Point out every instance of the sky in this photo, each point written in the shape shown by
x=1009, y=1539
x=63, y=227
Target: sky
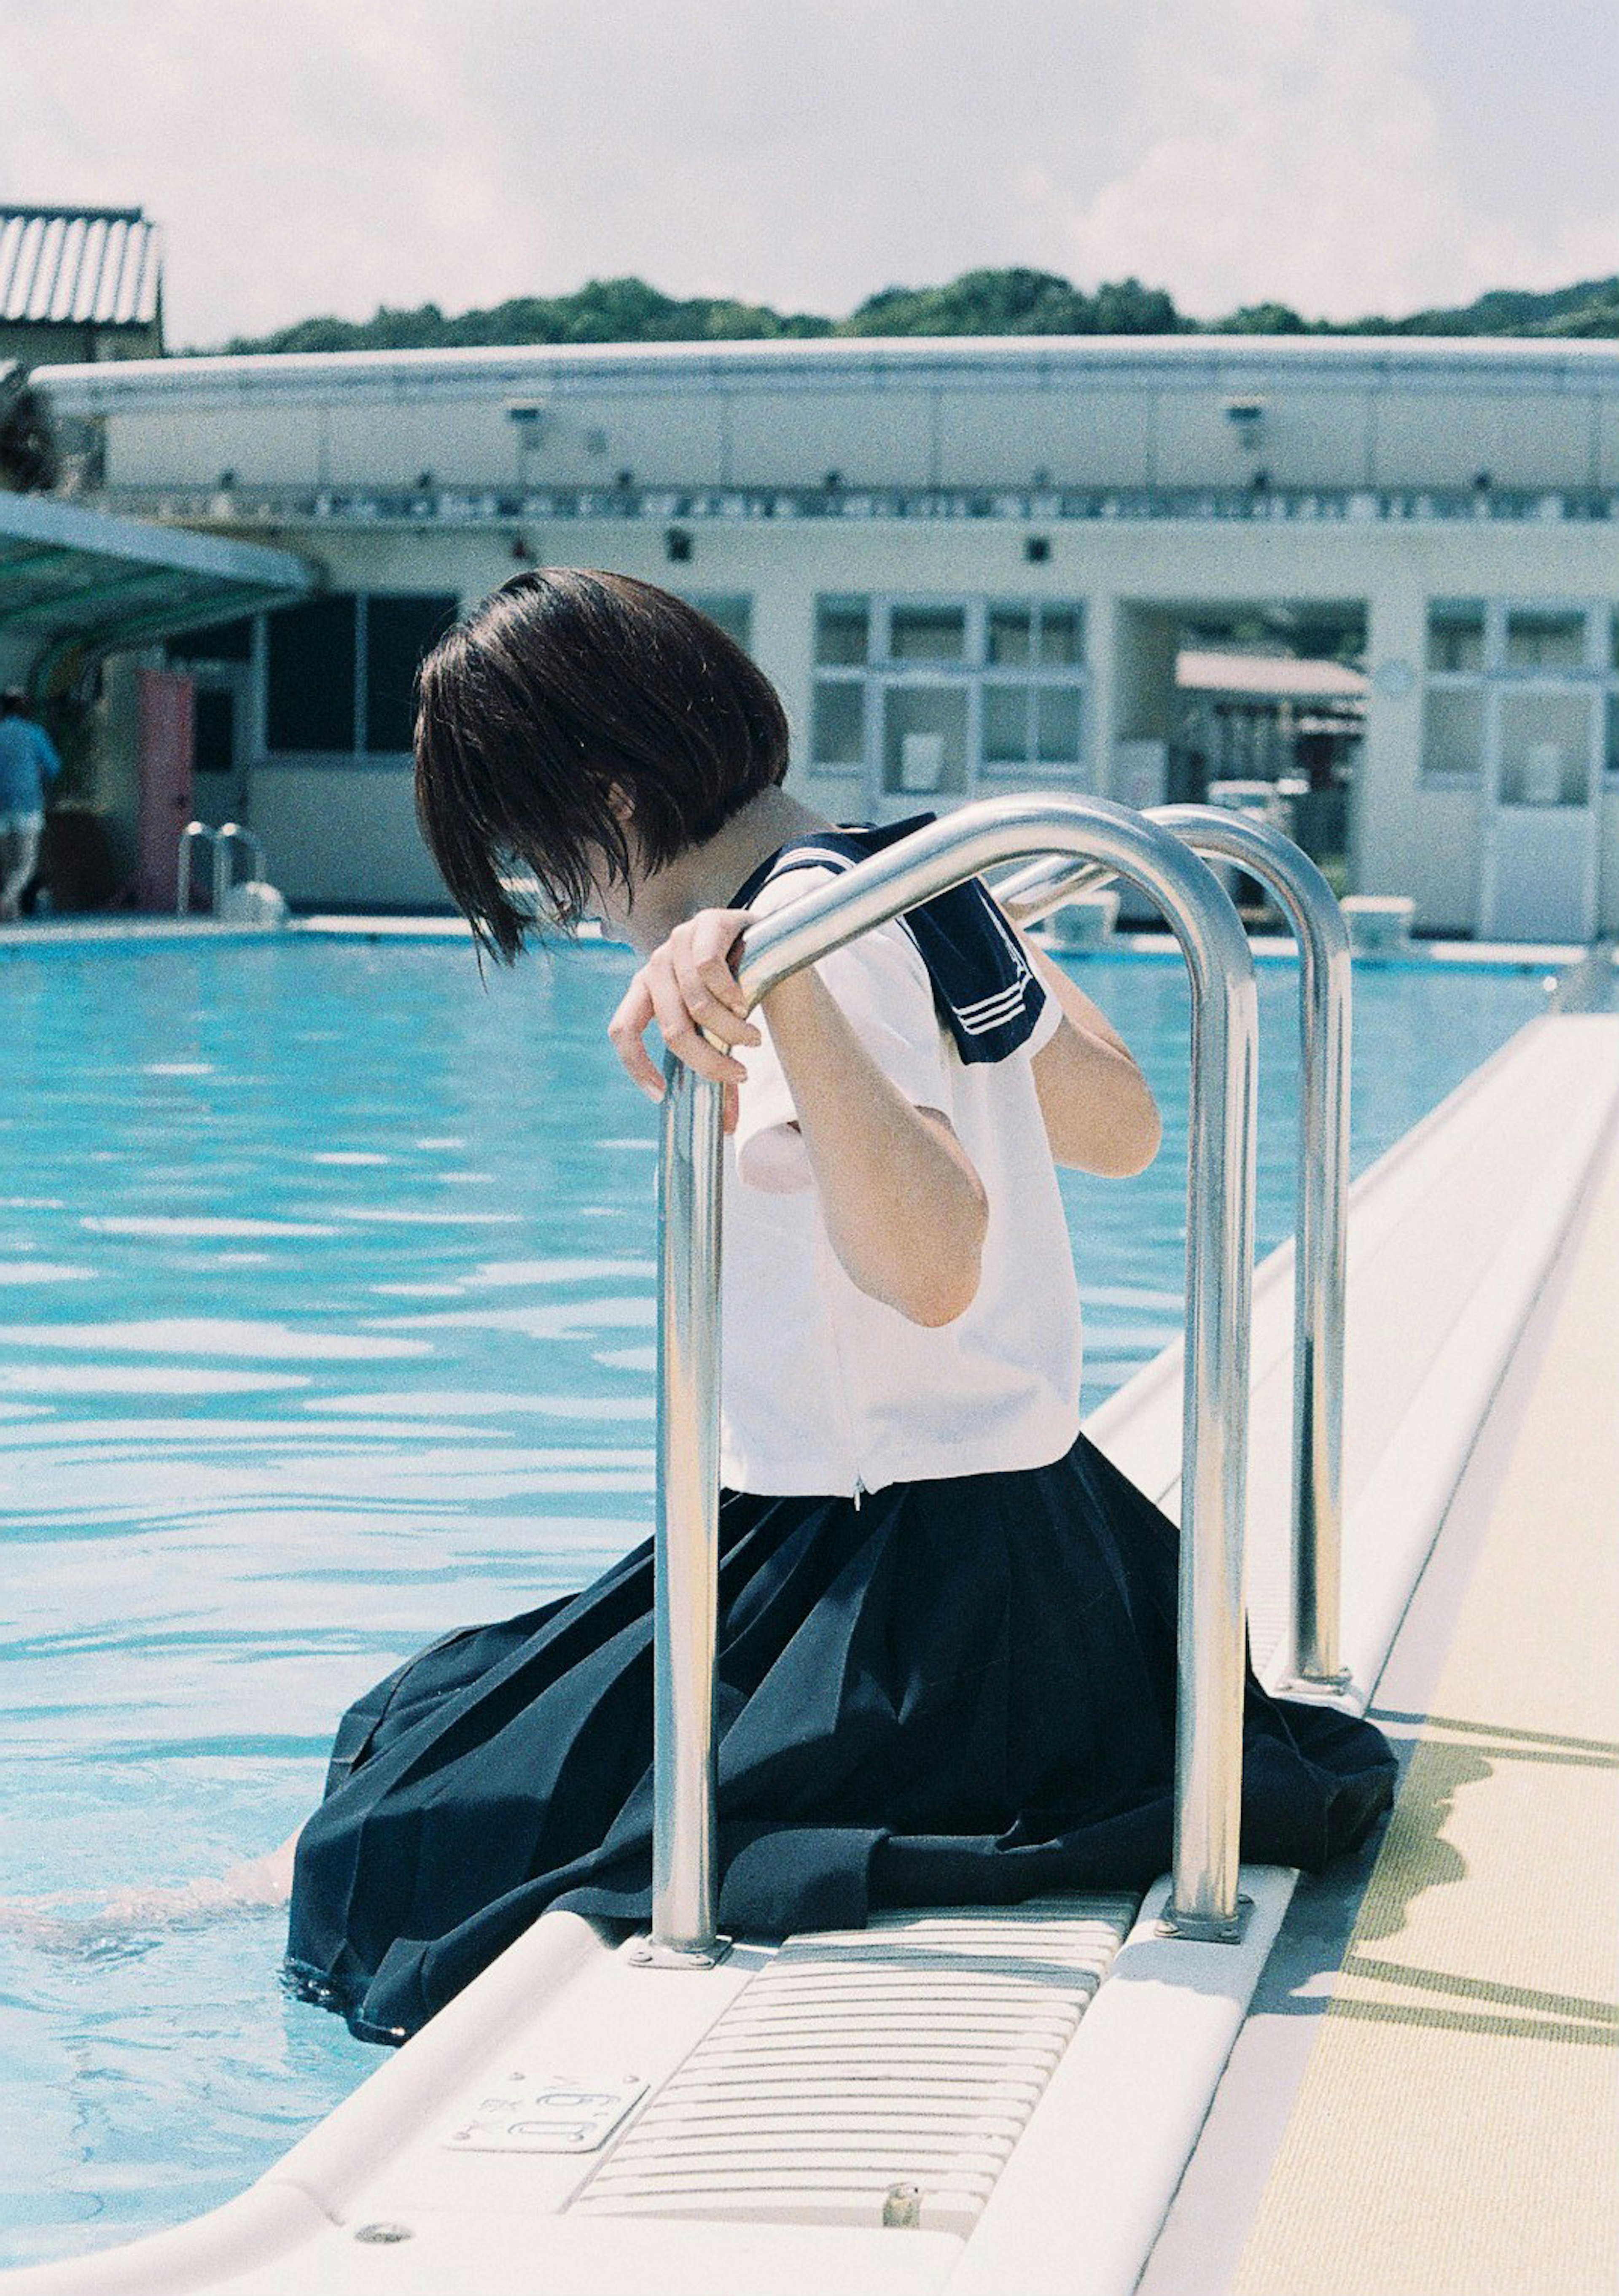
x=326, y=156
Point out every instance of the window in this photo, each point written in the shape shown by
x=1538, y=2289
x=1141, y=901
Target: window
x=400, y=633
x=309, y=687
x=1542, y=661
x=843, y=631
x=214, y=730
x=340, y=672
x=1453, y=703
x=1011, y=634
x=939, y=697
x=1545, y=740
x=838, y=723
x=1057, y=723
x=734, y=614
x=1537, y=640
x=1453, y=734
x=1059, y=638
x=219, y=641
x=928, y=633
x=925, y=741
x=1456, y=635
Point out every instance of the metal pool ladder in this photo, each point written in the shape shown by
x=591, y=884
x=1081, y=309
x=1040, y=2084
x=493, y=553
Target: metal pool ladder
x=223, y=843
x=1204, y=1901
x=1322, y=1203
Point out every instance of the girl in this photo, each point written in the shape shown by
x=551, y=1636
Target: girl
x=947, y=1625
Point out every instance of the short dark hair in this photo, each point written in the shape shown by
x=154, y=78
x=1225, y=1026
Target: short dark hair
x=564, y=688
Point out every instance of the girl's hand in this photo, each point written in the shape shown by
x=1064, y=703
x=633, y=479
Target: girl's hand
x=688, y=989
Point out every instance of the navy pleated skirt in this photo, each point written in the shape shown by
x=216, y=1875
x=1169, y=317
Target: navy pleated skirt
x=959, y=1691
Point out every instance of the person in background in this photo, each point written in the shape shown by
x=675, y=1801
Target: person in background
x=27, y=761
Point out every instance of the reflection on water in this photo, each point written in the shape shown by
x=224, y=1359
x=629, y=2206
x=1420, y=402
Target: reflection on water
x=242, y=1483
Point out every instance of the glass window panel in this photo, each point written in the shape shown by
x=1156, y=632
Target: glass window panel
x=399, y=634
x=928, y=633
x=925, y=741
x=1061, y=637
x=1545, y=749
x=214, y=730
x=1010, y=635
x=220, y=642
x=1611, y=743
x=1057, y=720
x=734, y=616
x=1613, y=641
x=1006, y=725
x=1453, y=731
x=309, y=677
x=838, y=723
x=1537, y=639
x=1456, y=633
x=842, y=629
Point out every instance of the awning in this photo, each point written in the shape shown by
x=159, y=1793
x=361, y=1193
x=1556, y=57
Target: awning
x=78, y=580
x=1271, y=677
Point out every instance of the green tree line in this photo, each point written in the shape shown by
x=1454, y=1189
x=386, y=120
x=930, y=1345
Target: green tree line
x=1010, y=302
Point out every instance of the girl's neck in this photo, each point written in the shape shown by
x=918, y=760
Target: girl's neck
x=706, y=875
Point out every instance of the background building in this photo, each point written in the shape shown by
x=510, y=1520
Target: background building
x=82, y=284
x=969, y=565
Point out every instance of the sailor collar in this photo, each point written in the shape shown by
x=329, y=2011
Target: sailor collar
x=985, y=992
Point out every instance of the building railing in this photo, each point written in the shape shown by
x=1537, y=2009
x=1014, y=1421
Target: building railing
x=1204, y=1901
x=450, y=504
x=1322, y=1216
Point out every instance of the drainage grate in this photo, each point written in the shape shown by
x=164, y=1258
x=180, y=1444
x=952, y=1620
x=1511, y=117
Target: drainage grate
x=909, y=2054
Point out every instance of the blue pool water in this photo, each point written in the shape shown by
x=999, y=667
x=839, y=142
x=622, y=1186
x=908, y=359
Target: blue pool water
x=326, y=1298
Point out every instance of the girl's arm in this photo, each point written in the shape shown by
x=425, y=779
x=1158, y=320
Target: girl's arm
x=903, y=1205
x=905, y=1208
x=1098, y=1109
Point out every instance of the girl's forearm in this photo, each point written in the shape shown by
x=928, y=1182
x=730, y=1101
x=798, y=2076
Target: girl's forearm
x=904, y=1210
x=1098, y=1109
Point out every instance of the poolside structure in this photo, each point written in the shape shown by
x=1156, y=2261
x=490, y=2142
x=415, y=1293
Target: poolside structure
x=970, y=566
x=87, y=600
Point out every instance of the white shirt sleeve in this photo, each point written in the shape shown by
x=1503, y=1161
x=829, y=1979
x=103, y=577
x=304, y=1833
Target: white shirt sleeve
x=1046, y=1022
x=881, y=984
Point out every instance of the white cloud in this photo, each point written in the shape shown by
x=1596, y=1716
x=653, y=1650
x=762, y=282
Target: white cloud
x=1302, y=158
x=309, y=157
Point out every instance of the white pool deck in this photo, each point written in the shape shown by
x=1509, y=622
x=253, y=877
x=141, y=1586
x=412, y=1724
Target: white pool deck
x=1423, y=2099
x=1399, y=2085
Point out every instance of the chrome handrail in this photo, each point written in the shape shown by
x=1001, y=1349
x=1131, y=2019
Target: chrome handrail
x=1204, y=1901
x=233, y=832
x=230, y=836
x=1321, y=1199
x=223, y=842
x=189, y=836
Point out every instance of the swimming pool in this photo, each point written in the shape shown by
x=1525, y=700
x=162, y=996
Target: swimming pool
x=326, y=1297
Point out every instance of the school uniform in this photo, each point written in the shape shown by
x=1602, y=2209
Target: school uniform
x=947, y=1623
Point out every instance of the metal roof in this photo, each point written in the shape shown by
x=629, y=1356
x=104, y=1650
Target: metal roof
x=90, y=267
x=71, y=577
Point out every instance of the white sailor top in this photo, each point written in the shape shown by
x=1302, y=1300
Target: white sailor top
x=824, y=1390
